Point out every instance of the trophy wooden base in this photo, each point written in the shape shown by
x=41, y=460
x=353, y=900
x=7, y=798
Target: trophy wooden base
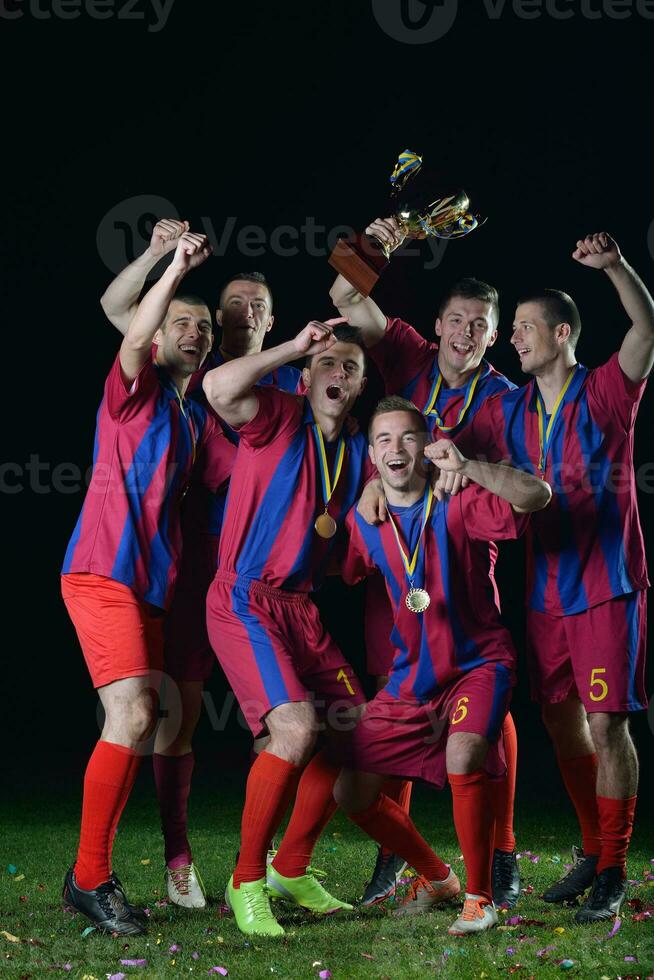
x=360, y=260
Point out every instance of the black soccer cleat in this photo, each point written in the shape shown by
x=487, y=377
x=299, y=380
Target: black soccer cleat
x=505, y=879
x=385, y=877
x=605, y=897
x=105, y=906
x=576, y=881
x=137, y=913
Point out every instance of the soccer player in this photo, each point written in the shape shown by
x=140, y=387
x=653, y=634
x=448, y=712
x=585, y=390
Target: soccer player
x=448, y=380
x=296, y=475
x=245, y=316
x=454, y=665
x=120, y=568
x=587, y=573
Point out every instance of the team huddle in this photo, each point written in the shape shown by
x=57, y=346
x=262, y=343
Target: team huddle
x=227, y=483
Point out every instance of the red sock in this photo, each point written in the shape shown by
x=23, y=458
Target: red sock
x=617, y=821
x=108, y=781
x=474, y=824
x=270, y=788
x=503, y=790
x=314, y=808
x=580, y=778
x=398, y=790
x=390, y=826
x=172, y=777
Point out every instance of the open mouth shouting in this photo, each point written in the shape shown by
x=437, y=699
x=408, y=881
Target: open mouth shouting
x=191, y=349
x=462, y=347
x=336, y=393
x=523, y=351
x=397, y=465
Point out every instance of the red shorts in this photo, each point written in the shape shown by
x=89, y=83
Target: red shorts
x=597, y=655
x=187, y=652
x=120, y=635
x=378, y=625
x=274, y=649
x=408, y=741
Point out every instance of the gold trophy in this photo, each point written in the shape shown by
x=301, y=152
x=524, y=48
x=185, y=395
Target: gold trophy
x=362, y=258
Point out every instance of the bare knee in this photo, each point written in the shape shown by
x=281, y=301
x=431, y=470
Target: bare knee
x=356, y=791
x=466, y=752
x=133, y=719
x=608, y=731
x=293, y=732
x=181, y=708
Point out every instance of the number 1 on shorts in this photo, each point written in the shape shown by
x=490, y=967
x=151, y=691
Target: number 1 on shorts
x=342, y=676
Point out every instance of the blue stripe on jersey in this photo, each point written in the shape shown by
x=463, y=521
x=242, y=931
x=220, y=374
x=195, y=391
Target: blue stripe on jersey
x=497, y=714
x=279, y=495
x=569, y=576
x=597, y=470
x=467, y=653
x=633, y=632
x=264, y=655
x=72, y=544
x=145, y=463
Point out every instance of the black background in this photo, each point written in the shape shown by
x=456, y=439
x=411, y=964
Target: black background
x=270, y=114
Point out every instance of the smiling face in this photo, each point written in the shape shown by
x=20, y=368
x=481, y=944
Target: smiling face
x=397, y=442
x=335, y=379
x=537, y=343
x=186, y=337
x=465, y=328
x=245, y=316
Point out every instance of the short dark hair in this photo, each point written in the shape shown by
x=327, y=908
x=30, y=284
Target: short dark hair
x=191, y=299
x=557, y=308
x=395, y=403
x=347, y=335
x=470, y=288
x=257, y=277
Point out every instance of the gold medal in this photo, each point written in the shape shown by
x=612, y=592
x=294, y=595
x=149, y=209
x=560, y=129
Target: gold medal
x=417, y=600
x=325, y=525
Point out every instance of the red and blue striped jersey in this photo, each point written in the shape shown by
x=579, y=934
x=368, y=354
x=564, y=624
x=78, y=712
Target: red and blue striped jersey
x=129, y=526
x=203, y=512
x=461, y=628
x=587, y=546
x=408, y=365
x=275, y=495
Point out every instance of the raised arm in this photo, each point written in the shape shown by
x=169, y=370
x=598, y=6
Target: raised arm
x=136, y=347
x=121, y=297
x=525, y=493
x=636, y=354
x=230, y=387
x=361, y=311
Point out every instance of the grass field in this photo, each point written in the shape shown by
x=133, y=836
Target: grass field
x=38, y=937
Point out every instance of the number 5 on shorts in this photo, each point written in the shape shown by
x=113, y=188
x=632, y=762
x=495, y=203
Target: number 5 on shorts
x=460, y=711
x=600, y=685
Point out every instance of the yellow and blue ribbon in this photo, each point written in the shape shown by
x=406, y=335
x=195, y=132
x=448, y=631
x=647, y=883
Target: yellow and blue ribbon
x=328, y=482
x=407, y=162
x=410, y=563
x=430, y=406
x=545, y=432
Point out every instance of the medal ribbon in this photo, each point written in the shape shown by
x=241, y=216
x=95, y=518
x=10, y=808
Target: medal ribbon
x=430, y=406
x=410, y=565
x=328, y=484
x=545, y=433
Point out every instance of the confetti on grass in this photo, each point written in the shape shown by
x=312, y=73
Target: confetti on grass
x=324, y=975
x=116, y=976
x=88, y=931
x=219, y=969
x=616, y=926
x=8, y=936
x=133, y=962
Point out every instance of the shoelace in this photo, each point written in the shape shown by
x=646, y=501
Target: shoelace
x=505, y=870
x=180, y=878
x=419, y=885
x=472, y=909
x=257, y=903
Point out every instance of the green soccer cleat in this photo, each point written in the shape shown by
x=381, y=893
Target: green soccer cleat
x=251, y=908
x=305, y=891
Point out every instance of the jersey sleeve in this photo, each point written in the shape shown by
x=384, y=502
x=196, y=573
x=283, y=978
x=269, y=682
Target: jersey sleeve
x=356, y=564
x=216, y=458
x=125, y=401
x=613, y=398
x=279, y=415
x=401, y=355
x=487, y=517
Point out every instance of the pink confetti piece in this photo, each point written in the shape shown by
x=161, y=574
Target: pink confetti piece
x=510, y=951
x=174, y=948
x=616, y=927
x=219, y=969
x=117, y=976
x=195, y=956
x=324, y=975
x=133, y=962
x=630, y=959
x=367, y=956
x=545, y=950
x=515, y=920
